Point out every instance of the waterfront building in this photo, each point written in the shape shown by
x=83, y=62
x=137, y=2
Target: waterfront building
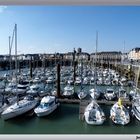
x=1, y=57
x=134, y=54
x=78, y=55
x=105, y=57
x=124, y=57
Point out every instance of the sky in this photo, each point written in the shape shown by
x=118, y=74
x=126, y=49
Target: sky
x=50, y=29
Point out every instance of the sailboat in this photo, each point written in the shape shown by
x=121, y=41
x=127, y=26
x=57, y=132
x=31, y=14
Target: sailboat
x=119, y=114
x=94, y=115
x=24, y=105
x=94, y=92
x=19, y=108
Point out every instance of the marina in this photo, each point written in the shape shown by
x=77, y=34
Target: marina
x=75, y=88
x=71, y=109
x=73, y=91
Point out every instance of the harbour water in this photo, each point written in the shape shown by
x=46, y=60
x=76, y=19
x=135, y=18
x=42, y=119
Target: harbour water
x=65, y=120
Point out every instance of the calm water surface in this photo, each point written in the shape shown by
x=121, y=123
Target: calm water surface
x=65, y=120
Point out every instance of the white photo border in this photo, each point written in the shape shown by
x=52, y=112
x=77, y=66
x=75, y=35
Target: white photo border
x=72, y=136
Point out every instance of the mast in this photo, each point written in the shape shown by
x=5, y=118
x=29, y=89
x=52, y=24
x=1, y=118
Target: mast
x=10, y=52
x=82, y=73
x=16, y=52
x=11, y=39
x=95, y=71
x=124, y=52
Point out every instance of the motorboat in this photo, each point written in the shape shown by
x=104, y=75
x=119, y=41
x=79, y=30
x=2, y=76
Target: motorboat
x=123, y=94
x=68, y=90
x=94, y=115
x=92, y=81
x=86, y=81
x=6, y=102
x=54, y=91
x=21, y=89
x=82, y=93
x=50, y=80
x=123, y=81
x=119, y=114
x=110, y=94
x=134, y=93
x=2, y=86
x=35, y=89
x=136, y=108
x=78, y=81
x=94, y=93
x=10, y=87
x=19, y=108
x=47, y=105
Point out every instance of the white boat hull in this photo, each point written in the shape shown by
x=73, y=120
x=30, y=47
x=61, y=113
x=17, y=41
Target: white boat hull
x=11, y=113
x=45, y=112
x=99, y=122
x=119, y=117
x=94, y=115
x=136, y=113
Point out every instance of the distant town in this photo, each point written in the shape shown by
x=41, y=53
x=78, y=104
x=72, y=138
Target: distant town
x=132, y=57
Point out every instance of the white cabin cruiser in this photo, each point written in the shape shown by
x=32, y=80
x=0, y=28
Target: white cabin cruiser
x=68, y=90
x=94, y=115
x=82, y=93
x=19, y=108
x=21, y=89
x=110, y=94
x=123, y=94
x=47, y=105
x=35, y=89
x=94, y=93
x=10, y=87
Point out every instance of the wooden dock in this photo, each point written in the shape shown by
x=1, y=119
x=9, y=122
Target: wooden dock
x=77, y=101
x=69, y=101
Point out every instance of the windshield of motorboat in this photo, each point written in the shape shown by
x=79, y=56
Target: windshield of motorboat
x=29, y=97
x=35, y=88
x=109, y=91
x=46, y=104
x=11, y=86
x=22, y=87
x=122, y=91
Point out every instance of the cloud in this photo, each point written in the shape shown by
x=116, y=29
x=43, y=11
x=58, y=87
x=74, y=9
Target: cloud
x=2, y=8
